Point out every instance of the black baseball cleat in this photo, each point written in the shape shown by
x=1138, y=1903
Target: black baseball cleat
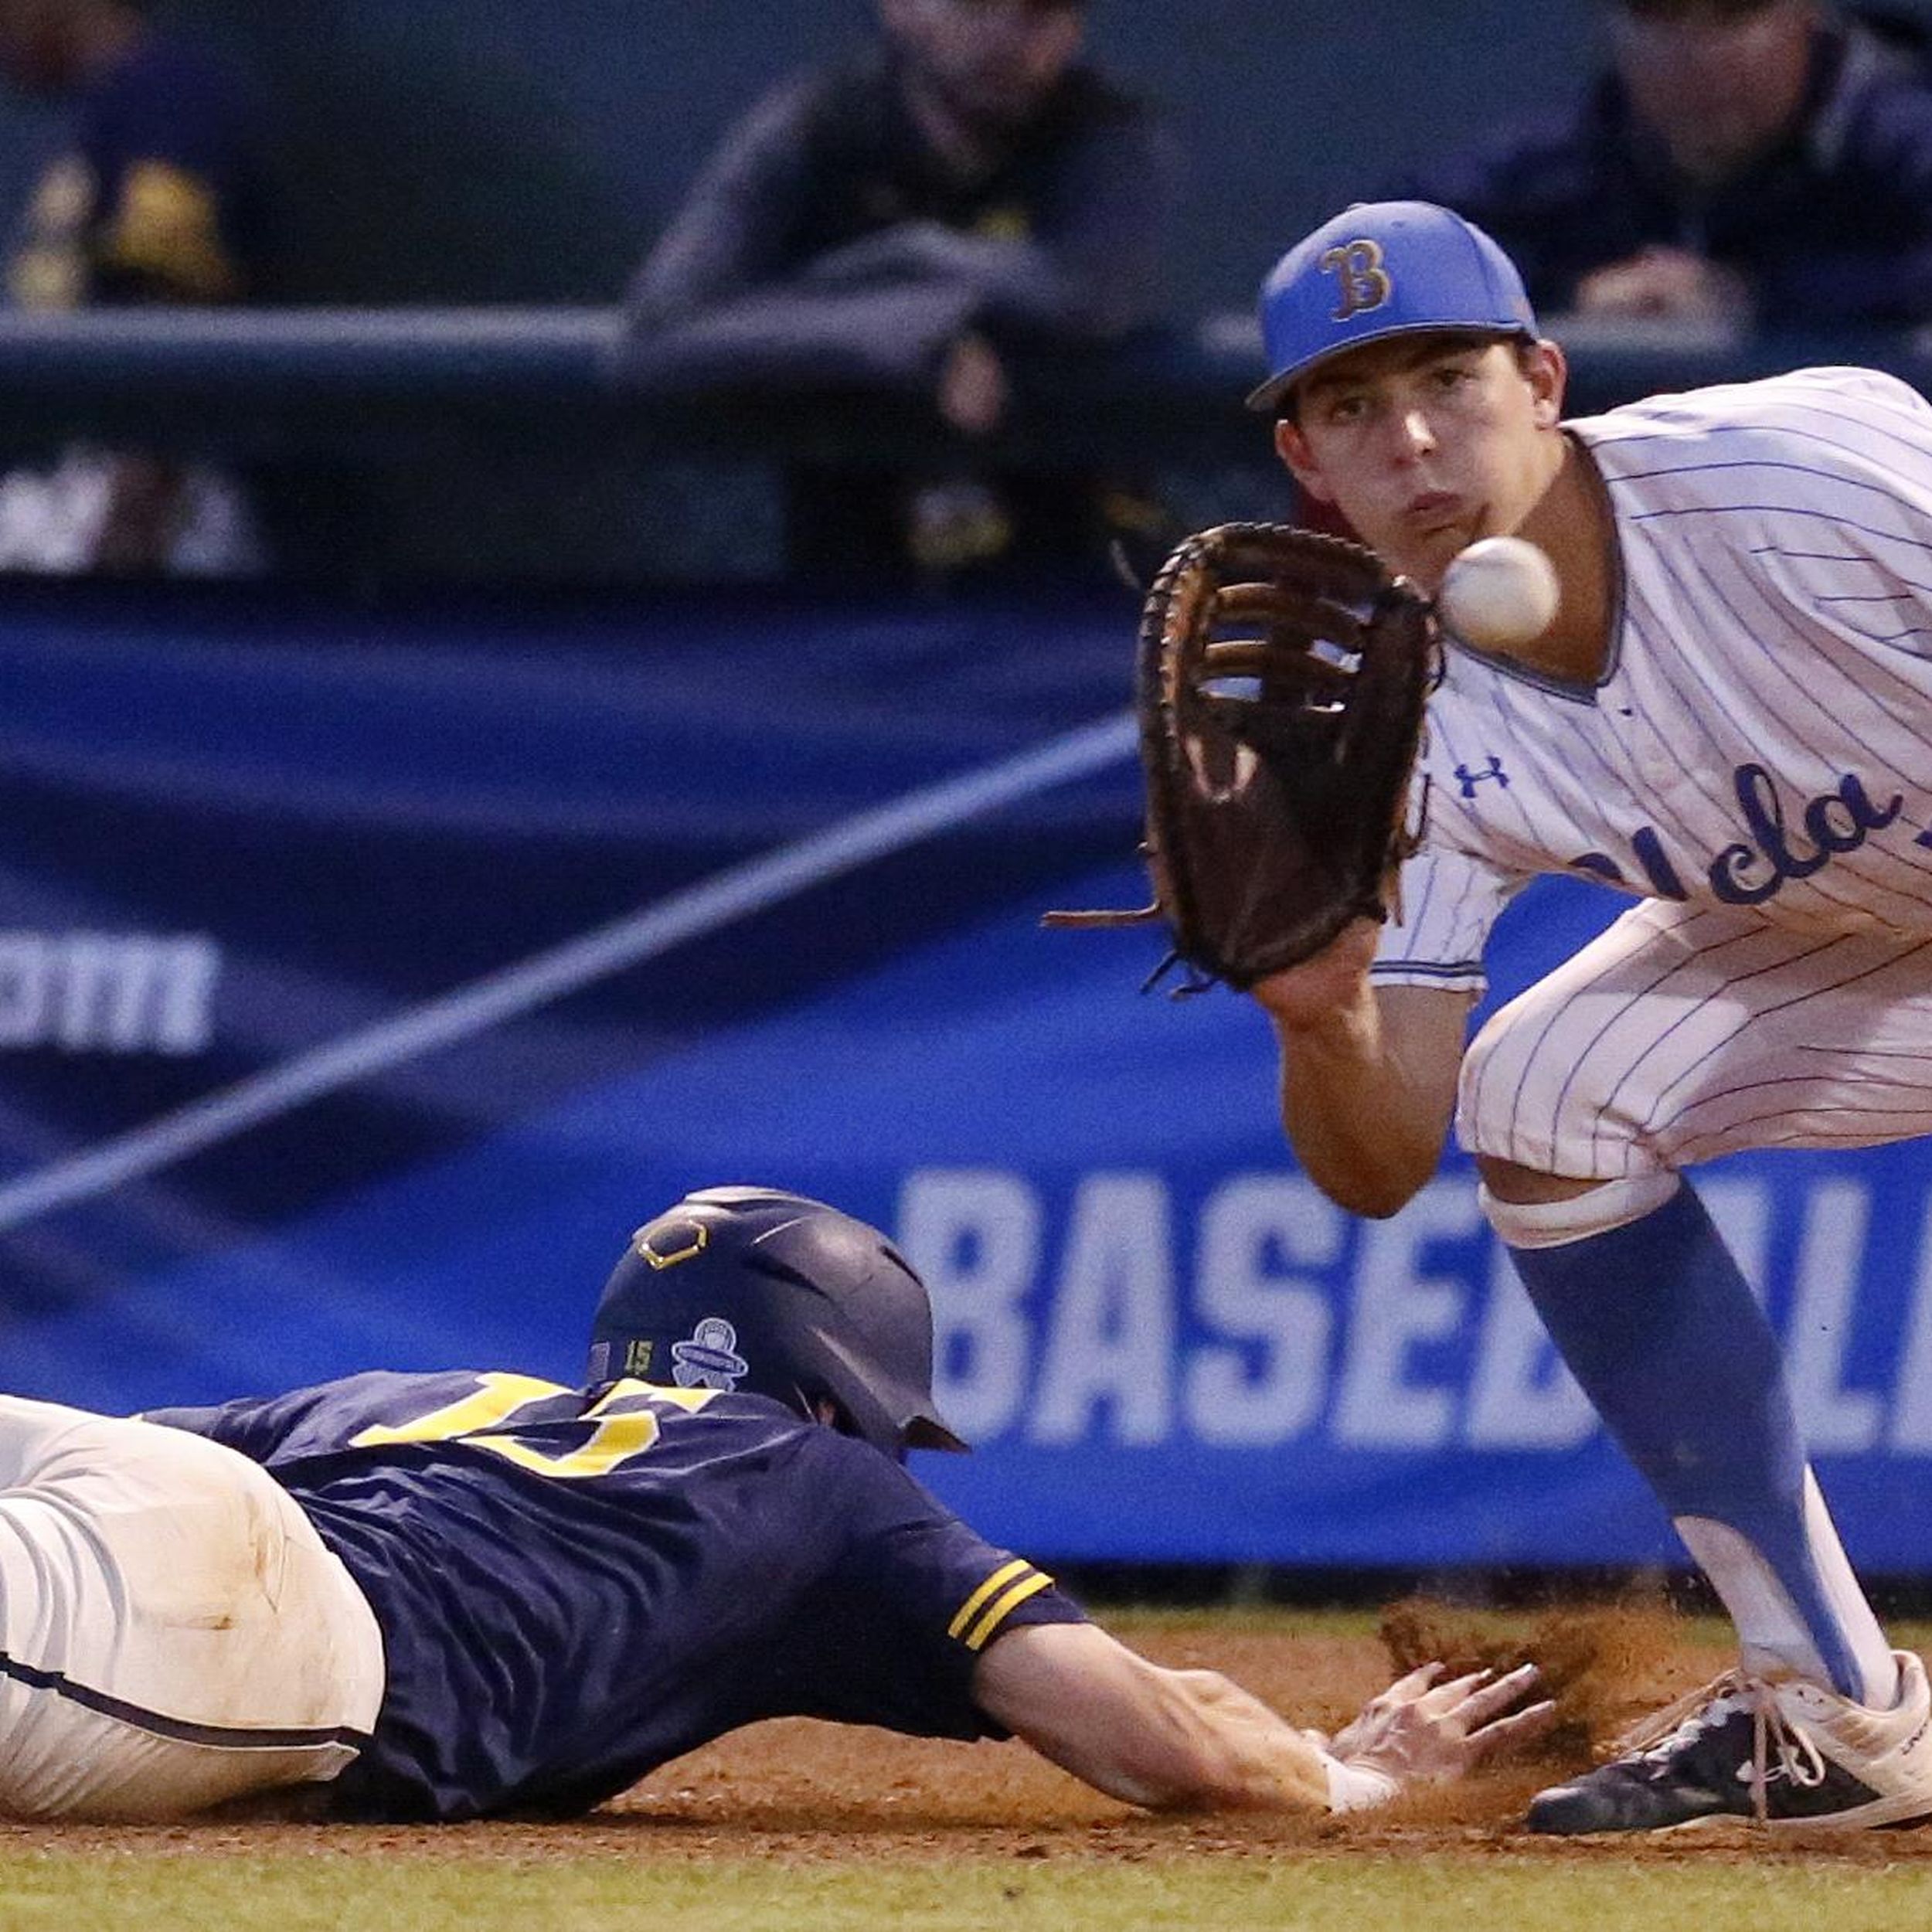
x=1783, y=1754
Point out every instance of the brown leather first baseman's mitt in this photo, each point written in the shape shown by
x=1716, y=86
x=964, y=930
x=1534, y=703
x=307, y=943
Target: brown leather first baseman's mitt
x=1282, y=675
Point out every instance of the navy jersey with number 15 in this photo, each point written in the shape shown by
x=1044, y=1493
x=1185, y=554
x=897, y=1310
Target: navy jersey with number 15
x=574, y=1586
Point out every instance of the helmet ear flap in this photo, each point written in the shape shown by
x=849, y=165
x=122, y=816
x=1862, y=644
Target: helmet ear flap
x=830, y=1412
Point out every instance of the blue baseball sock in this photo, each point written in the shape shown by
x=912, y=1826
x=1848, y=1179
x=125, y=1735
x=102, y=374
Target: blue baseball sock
x=1647, y=1308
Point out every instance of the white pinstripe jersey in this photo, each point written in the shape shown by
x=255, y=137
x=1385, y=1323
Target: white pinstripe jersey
x=1762, y=736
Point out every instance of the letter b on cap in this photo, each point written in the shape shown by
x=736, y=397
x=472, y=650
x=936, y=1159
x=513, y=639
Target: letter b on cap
x=1363, y=281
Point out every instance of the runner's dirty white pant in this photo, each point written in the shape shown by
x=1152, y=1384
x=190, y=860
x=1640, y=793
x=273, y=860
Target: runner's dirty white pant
x=172, y=1631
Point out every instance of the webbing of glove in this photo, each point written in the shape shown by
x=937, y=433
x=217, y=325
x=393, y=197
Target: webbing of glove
x=1282, y=674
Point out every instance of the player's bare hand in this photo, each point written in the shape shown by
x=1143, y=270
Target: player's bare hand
x=1422, y=1731
x=972, y=387
x=1325, y=991
x=1672, y=284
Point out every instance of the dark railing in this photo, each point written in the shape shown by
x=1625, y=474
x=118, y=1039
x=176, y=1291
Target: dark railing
x=500, y=443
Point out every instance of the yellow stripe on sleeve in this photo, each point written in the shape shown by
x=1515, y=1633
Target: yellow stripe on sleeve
x=1005, y=1605
x=997, y=1581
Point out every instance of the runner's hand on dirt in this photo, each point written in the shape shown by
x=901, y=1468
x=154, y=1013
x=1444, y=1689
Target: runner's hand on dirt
x=1419, y=1731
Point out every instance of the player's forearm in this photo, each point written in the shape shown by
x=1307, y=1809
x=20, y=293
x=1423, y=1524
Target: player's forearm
x=732, y=233
x=890, y=339
x=1167, y=1740
x=1011, y=280
x=1235, y=1753
x=1369, y=1073
x=1202, y=1744
x=1355, y=1112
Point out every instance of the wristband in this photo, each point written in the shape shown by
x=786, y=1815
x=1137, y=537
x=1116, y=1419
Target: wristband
x=1356, y=1787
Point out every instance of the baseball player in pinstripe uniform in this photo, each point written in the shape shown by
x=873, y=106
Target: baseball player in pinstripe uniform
x=1729, y=716
x=442, y=1597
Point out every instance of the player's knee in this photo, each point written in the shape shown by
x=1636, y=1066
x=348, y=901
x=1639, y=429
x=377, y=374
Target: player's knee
x=1510, y=1181
x=1547, y=1211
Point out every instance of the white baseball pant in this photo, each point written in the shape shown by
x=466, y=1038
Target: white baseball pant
x=173, y=1632
x=1686, y=1032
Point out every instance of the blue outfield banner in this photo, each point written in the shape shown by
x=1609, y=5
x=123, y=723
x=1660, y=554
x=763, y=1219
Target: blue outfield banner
x=365, y=980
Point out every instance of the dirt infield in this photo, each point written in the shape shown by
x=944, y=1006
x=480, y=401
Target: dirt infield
x=813, y=1793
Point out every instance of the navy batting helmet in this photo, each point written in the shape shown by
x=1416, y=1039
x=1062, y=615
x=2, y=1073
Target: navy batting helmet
x=769, y=1293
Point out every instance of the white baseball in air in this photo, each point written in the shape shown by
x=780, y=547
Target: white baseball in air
x=1498, y=593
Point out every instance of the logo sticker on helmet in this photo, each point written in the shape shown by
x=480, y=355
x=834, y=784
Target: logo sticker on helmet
x=710, y=1360
x=665, y=1243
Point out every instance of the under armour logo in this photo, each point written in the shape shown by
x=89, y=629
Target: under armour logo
x=710, y=1360
x=1469, y=779
x=1365, y=283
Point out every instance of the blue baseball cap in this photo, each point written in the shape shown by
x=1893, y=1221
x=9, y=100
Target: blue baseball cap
x=1383, y=268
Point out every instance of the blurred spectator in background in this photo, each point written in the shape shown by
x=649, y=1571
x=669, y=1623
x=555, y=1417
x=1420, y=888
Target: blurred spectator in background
x=1761, y=162
x=904, y=223
x=155, y=198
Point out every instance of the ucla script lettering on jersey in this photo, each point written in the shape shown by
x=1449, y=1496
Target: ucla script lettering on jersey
x=1755, y=741
x=1753, y=868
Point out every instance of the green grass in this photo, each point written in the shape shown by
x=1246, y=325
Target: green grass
x=1335, y=1892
